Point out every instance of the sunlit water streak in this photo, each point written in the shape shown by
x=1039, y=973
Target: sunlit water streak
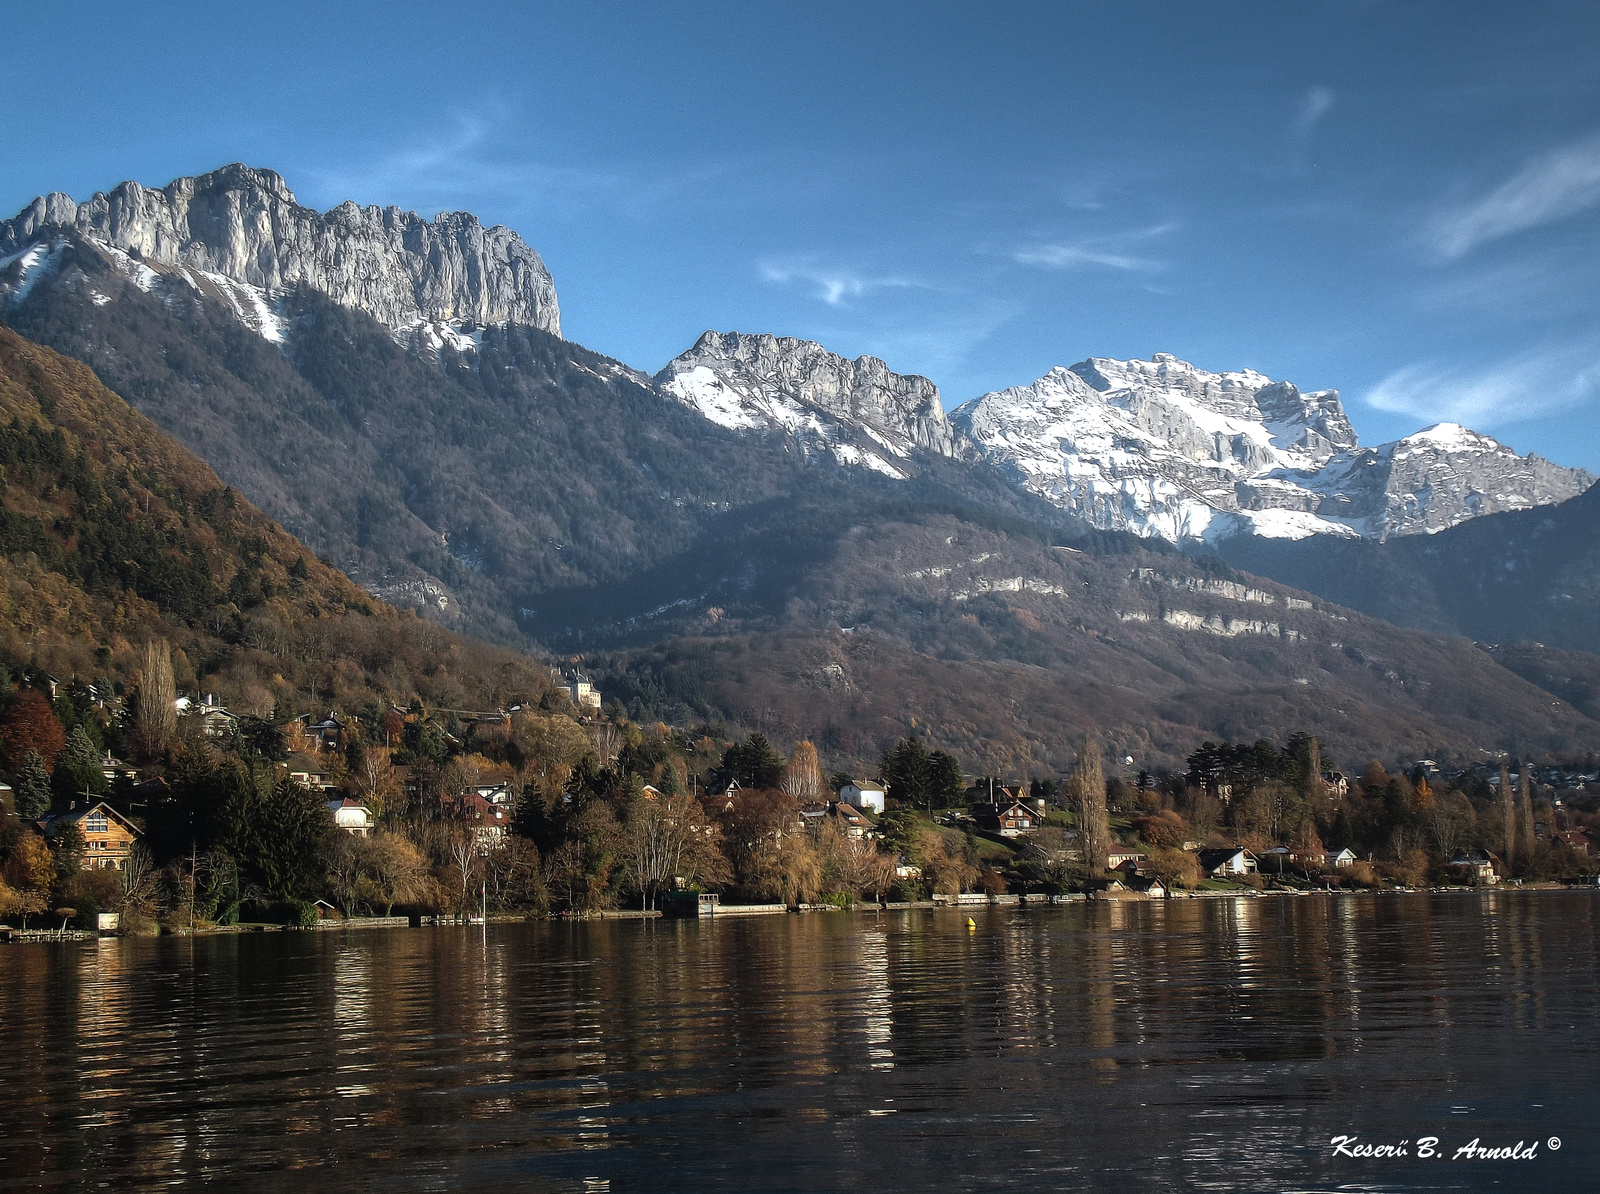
x=1206, y=1045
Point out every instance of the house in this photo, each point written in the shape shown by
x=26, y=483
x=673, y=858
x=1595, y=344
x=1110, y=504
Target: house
x=904, y=869
x=1123, y=858
x=1345, y=857
x=489, y=822
x=863, y=794
x=108, y=836
x=1146, y=885
x=352, y=816
x=1475, y=868
x=215, y=720
x=1007, y=820
x=583, y=695
x=1576, y=840
x=327, y=734
x=501, y=793
x=851, y=820
x=306, y=770
x=1226, y=862
x=115, y=769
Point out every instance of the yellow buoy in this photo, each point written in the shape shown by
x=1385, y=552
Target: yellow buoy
x=971, y=924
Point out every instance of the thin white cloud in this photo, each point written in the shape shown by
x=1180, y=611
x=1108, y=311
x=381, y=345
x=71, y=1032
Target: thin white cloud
x=1314, y=107
x=833, y=285
x=1550, y=187
x=1519, y=388
x=468, y=161
x=1111, y=252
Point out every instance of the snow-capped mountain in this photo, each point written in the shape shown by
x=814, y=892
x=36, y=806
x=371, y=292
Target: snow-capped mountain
x=857, y=411
x=240, y=236
x=1166, y=450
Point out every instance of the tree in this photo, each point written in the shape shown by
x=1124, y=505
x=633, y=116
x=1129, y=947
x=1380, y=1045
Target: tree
x=78, y=773
x=669, y=839
x=66, y=843
x=31, y=726
x=948, y=859
x=753, y=763
x=1525, y=822
x=155, y=723
x=1451, y=821
x=1086, y=792
x=31, y=873
x=1508, y=820
x=802, y=776
x=31, y=787
x=374, y=779
x=393, y=870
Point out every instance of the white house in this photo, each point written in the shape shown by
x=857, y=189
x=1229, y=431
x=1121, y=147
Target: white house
x=1226, y=861
x=351, y=816
x=863, y=794
x=1345, y=857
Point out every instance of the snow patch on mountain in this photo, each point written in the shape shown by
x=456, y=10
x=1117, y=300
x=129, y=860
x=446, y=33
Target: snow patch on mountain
x=1169, y=451
x=858, y=412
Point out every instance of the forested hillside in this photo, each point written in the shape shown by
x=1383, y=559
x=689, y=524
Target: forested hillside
x=112, y=534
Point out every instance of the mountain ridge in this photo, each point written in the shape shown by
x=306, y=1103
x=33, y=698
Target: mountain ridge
x=1164, y=449
x=245, y=226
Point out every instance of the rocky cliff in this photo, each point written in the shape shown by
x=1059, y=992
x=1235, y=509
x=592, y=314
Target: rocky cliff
x=244, y=227
x=858, y=411
x=1170, y=451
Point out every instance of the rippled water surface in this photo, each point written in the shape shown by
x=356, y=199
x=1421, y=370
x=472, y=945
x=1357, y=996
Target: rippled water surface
x=1204, y=1044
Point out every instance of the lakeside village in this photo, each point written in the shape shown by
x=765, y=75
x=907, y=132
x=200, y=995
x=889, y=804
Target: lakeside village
x=142, y=811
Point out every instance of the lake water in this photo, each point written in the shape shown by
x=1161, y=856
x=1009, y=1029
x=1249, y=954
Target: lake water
x=1201, y=1044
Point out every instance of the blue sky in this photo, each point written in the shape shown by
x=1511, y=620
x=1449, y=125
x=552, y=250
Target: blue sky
x=1401, y=201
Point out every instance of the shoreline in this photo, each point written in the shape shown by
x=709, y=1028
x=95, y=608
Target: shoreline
x=10, y=936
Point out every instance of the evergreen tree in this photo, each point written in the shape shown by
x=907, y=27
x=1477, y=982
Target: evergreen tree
x=30, y=787
x=78, y=774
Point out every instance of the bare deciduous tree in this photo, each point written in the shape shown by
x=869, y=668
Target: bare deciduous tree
x=156, y=722
x=1086, y=793
x=802, y=775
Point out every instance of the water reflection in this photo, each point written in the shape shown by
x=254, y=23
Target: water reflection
x=1161, y=1045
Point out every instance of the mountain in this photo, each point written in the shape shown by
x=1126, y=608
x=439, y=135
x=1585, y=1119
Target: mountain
x=703, y=531
x=1523, y=576
x=1005, y=648
x=1169, y=451
x=857, y=411
x=112, y=533
x=240, y=235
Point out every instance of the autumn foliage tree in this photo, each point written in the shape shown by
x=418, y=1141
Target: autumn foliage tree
x=31, y=725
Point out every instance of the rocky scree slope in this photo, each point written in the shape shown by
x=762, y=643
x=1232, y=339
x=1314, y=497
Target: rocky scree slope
x=240, y=234
x=1166, y=450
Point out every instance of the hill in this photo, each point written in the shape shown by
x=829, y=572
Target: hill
x=1523, y=576
x=111, y=533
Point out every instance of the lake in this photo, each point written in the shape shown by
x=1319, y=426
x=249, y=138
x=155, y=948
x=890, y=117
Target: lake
x=1215, y=1044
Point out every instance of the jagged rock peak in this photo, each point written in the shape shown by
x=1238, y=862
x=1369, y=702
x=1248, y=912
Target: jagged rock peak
x=246, y=225
x=1313, y=422
x=1167, y=450
x=769, y=382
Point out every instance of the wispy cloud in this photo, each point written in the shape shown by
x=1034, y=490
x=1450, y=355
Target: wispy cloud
x=1110, y=252
x=1551, y=187
x=468, y=159
x=1522, y=387
x=833, y=285
x=1313, y=108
